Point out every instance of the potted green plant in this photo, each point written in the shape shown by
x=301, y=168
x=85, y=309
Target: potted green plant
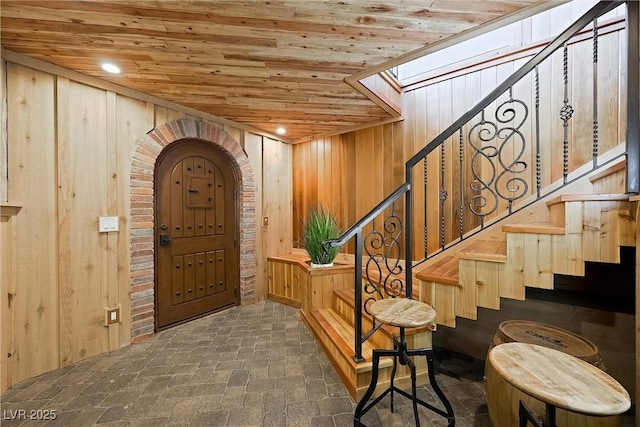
x=319, y=227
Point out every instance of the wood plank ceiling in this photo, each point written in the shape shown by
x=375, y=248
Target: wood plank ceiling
x=261, y=63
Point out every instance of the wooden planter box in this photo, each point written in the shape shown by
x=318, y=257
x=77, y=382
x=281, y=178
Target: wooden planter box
x=294, y=282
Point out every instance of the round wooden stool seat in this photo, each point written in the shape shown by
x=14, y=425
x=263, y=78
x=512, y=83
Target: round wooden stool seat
x=403, y=312
x=559, y=379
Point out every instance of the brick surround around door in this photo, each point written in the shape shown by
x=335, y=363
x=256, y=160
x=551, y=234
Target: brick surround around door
x=142, y=215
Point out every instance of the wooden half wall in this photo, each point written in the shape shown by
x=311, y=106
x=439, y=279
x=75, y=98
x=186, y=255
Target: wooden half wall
x=70, y=141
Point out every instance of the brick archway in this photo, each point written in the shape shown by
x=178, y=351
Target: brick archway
x=142, y=215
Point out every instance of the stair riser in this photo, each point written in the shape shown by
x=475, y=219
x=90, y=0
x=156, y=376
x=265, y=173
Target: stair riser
x=441, y=297
x=607, y=226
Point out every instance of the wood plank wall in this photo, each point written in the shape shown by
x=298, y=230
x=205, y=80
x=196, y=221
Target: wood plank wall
x=375, y=157
x=348, y=174
x=3, y=135
x=70, y=146
x=277, y=197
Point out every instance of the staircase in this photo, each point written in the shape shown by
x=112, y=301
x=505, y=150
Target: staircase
x=554, y=236
x=479, y=219
x=588, y=220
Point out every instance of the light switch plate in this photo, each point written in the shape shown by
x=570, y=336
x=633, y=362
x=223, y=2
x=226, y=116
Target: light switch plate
x=107, y=224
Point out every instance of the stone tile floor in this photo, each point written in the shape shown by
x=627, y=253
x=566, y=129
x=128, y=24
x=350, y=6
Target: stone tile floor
x=247, y=366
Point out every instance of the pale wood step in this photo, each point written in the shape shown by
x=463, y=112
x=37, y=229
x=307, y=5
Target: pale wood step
x=485, y=250
x=341, y=333
x=599, y=223
x=336, y=336
x=617, y=166
x=539, y=228
x=344, y=303
x=588, y=198
x=444, y=271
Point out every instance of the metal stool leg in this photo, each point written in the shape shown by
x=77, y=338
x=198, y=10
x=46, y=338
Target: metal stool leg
x=362, y=407
x=434, y=384
x=414, y=391
x=402, y=355
x=367, y=394
x=393, y=370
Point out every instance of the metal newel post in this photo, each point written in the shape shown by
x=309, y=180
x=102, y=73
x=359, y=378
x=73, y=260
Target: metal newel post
x=633, y=98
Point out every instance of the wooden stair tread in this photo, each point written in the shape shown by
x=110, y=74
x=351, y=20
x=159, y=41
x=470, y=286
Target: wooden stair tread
x=587, y=198
x=485, y=250
x=539, y=228
x=619, y=165
x=375, y=273
x=445, y=271
x=342, y=334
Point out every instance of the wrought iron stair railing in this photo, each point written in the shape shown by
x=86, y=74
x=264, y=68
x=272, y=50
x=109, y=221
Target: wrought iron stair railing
x=491, y=144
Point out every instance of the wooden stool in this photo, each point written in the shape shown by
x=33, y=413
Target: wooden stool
x=403, y=313
x=559, y=380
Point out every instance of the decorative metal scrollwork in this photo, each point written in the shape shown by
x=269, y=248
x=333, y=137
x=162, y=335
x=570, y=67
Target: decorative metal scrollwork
x=566, y=112
x=382, y=267
x=500, y=146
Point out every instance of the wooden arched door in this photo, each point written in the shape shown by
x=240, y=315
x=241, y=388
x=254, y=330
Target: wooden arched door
x=196, y=232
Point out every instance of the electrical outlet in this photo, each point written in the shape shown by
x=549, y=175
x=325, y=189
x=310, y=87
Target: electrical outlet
x=107, y=224
x=265, y=221
x=112, y=315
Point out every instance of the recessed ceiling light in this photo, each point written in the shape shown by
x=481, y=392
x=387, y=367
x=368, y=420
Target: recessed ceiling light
x=281, y=131
x=111, y=68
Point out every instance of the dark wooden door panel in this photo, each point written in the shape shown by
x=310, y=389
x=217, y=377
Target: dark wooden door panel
x=198, y=270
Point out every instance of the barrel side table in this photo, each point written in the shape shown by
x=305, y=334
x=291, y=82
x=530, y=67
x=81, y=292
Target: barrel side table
x=559, y=380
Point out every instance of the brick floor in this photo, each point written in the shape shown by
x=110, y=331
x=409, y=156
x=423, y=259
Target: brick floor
x=256, y=365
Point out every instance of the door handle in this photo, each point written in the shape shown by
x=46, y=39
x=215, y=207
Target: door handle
x=164, y=239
